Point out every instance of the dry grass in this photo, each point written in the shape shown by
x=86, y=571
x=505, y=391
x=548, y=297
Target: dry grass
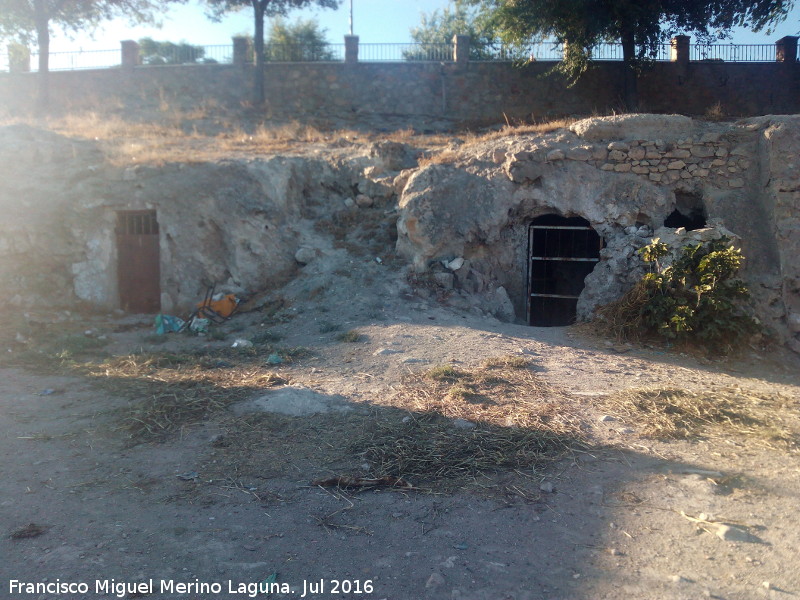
x=180, y=389
x=716, y=112
x=524, y=427
x=352, y=336
x=506, y=393
x=683, y=414
x=519, y=129
x=622, y=319
x=429, y=448
x=445, y=157
x=172, y=130
x=463, y=424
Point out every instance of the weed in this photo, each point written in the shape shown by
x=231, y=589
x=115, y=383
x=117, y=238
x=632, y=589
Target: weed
x=695, y=299
x=293, y=354
x=328, y=327
x=265, y=337
x=216, y=334
x=461, y=392
x=350, y=337
x=444, y=373
x=506, y=362
x=715, y=112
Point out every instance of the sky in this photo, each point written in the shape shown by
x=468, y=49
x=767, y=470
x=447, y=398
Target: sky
x=374, y=21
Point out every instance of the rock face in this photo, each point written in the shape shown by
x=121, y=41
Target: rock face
x=243, y=226
x=248, y=225
x=625, y=176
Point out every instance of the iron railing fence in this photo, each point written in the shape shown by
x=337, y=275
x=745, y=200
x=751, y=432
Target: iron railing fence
x=82, y=59
x=415, y=52
x=303, y=52
x=545, y=51
x=552, y=52
x=733, y=52
x=405, y=52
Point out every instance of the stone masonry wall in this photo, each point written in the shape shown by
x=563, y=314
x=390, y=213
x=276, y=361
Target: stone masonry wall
x=473, y=91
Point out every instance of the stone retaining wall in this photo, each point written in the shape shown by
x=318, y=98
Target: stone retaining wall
x=472, y=91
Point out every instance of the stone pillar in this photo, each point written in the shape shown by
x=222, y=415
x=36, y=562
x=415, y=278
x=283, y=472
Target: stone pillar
x=19, y=58
x=351, y=49
x=130, y=53
x=786, y=49
x=461, y=49
x=679, y=52
x=788, y=91
x=242, y=51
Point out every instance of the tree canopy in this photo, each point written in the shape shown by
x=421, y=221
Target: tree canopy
x=459, y=18
x=302, y=41
x=153, y=52
x=262, y=9
x=30, y=20
x=640, y=25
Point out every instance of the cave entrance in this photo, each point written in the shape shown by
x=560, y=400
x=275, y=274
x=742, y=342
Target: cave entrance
x=689, y=213
x=562, y=251
x=138, y=261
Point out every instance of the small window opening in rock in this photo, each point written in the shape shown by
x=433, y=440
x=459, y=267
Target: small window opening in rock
x=690, y=222
x=562, y=251
x=689, y=213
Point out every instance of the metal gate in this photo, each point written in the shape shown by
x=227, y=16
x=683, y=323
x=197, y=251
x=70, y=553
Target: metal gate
x=562, y=251
x=138, y=261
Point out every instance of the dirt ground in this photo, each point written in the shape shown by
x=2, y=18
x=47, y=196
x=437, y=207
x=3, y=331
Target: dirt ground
x=231, y=496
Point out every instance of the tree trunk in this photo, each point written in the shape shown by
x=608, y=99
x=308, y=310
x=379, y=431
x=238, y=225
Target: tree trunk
x=259, y=97
x=42, y=22
x=630, y=76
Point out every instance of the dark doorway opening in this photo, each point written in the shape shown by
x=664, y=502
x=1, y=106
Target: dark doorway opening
x=689, y=213
x=562, y=251
x=138, y=261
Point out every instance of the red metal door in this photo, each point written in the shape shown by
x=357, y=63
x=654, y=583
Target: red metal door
x=138, y=262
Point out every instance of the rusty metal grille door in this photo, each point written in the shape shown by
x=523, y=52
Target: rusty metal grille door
x=562, y=252
x=138, y=261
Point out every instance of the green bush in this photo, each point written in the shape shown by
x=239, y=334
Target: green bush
x=695, y=299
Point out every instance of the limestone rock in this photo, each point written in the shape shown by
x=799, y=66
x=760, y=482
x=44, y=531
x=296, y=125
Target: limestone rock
x=305, y=255
x=364, y=201
x=581, y=153
x=394, y=156
x=668, y=127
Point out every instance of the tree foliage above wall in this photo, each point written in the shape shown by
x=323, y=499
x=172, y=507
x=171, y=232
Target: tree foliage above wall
x=262, y=9
x=30, y=20
x=639, y=25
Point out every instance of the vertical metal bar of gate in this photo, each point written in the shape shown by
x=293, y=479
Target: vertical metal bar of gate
x=566, y=249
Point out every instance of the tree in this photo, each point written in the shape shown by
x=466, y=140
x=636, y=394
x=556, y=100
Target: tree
x=261, y=9
x=640, y=25
x=301, y=41
x=459, y=18
x=29, y=20
x=153, y=52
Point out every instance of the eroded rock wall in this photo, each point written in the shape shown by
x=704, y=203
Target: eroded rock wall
x=625, y=175
x=236, y=224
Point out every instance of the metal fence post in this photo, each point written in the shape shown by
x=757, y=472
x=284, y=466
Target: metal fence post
x=130, y=53
x=351, y=49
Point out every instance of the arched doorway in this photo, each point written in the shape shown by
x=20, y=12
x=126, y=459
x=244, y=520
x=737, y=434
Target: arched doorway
x=562, y=251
